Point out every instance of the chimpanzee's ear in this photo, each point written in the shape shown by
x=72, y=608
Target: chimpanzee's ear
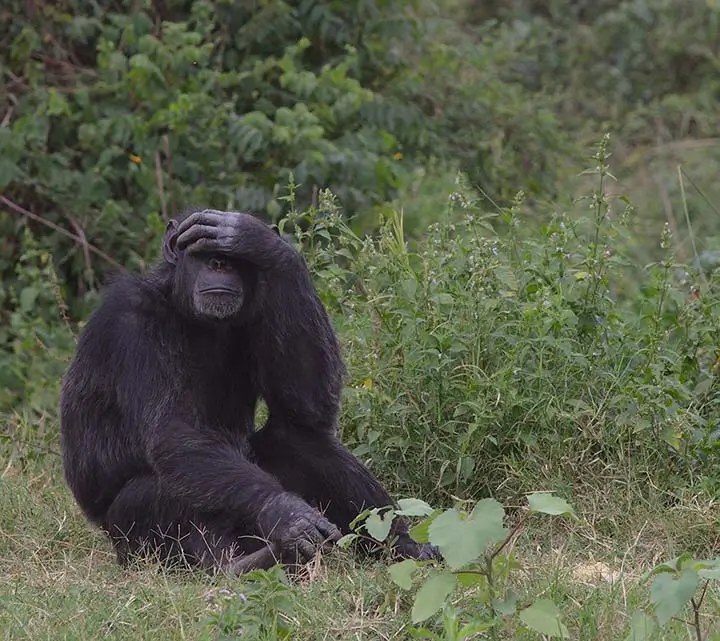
x=170, y=242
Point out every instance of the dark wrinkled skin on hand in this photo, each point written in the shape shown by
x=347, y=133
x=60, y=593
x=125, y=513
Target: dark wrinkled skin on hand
x=220, y=232
x=405, y=547
x=299, y=529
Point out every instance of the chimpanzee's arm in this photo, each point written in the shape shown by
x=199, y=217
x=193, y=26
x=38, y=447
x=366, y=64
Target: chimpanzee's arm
x=206, y=473
x=300, y=367
x=299, y=358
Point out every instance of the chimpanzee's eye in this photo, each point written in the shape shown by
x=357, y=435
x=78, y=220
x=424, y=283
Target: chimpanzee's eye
x=217, y=264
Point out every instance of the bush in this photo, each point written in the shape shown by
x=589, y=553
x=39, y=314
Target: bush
x=478, y=360
x=475, y=356
x=120, y=114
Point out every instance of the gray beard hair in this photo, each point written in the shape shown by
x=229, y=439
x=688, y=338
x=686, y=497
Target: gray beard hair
x=219, y=306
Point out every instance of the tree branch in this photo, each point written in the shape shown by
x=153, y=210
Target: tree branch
x=39, y=219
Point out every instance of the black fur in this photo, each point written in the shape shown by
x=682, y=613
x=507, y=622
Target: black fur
x=158, y=405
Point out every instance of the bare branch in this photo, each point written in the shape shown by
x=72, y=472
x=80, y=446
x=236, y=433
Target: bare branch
x=39, y=219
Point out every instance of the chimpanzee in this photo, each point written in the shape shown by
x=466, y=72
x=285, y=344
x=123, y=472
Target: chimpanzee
x=158, y=407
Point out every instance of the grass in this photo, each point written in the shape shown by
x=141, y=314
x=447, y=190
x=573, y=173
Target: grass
x=60, y=579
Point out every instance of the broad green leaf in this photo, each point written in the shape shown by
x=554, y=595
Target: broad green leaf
x=474, y=628
x=357, y=521
x=456, y=539
x=443, y=299
x=142, y=61
x=707, y=569
x=508, y=606
x=9, y=171
x=57, y=104
x=674, y=565
x=431, y=596
x=549, y=504
x=470, y=579
x=488, y=509
x=669, y=595
x=347, y=540
x=28, y=296
x=401, y=573
x=543, y=616
x=378, y=526
x=463, y=541
x=507, y=277
x=642, y=627
x=413, y=507
x=409, y=287
x=420, y=533
x=710, y=573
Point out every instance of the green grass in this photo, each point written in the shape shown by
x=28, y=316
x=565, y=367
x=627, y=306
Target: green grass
x=59, y=579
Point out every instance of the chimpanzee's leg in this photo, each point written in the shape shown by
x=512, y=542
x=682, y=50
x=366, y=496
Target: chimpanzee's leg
x=143, y=522
x=322, y=471
x=319, y=469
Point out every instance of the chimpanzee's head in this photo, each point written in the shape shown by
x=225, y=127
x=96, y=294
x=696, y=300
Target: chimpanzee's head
x=208, y=286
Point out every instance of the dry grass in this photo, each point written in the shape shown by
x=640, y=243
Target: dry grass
x=59, y=580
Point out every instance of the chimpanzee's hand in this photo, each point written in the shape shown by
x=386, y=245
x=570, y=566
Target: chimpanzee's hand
x=407, y=548
x=298, y=528
x=228, y=232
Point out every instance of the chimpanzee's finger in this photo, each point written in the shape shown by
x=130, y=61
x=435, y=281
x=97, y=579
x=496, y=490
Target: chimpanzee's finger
x=207, y=217
x=262, y=559
x=195, y=233
x=196, y=218
x=329, y=530
x=305, y=549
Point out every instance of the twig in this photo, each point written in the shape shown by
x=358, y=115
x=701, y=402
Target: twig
x=59, y=300
x=515, y=531
x=696, y=612
x=168, y=161
x=160, y=184
x=83, y=242
x=670, y=216
x=28, y=214
x=8, y=117
x=696, y=619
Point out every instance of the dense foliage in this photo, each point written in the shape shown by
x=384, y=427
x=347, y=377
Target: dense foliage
x=477, y=354
x=118, y=114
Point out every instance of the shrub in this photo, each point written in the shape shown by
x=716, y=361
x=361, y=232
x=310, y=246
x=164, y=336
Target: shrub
x=479, y=360
x=475, y=356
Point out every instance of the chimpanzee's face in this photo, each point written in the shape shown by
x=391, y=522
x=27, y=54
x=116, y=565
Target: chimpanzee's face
x=208, y=285
x=218, y=288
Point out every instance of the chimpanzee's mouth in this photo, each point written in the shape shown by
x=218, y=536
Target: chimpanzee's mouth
x=219, y=290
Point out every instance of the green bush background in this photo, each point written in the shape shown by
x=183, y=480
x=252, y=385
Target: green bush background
x=489, y=336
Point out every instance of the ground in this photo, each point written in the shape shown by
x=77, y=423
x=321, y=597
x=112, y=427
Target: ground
x=60, y=579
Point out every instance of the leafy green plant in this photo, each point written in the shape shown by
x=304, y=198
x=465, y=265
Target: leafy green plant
x=259, y=608
x=474, y=545
x=117, y=117
x=678, y=586
x=492, y=341
x=37, y=347
x=121, y=117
